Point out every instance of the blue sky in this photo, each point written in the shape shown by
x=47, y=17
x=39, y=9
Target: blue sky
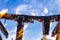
x=32, y=31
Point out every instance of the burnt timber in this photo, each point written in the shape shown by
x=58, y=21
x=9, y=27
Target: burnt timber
x=27, y=18
x=56, y=31
x=4, y=31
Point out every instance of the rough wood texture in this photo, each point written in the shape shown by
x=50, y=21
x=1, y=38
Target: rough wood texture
x=4, y=31
x=27, y=18
x=19, y=34
x=56, y=31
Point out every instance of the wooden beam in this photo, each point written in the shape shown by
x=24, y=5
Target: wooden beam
x=4, y=31
x=19, y=34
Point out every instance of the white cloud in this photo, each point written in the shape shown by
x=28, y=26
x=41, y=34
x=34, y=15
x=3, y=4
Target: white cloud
x=43, y=14
x=33, y=13
x=4, y=10
x=27, y=10
x=20, y=8
x=25, y=26
x=23, y=9
x=45, y=10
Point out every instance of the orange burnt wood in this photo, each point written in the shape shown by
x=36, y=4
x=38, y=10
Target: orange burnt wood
x=19, y=34
x=56, y=31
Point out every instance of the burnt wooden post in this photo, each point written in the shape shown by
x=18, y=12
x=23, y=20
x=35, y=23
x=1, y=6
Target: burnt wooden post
x=46, y=26
x=20, y=30
x=56, y=31
x=4, y=31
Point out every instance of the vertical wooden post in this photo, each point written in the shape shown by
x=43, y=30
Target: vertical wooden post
x=20, y=30
x=58, y=31
x=46, y=26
